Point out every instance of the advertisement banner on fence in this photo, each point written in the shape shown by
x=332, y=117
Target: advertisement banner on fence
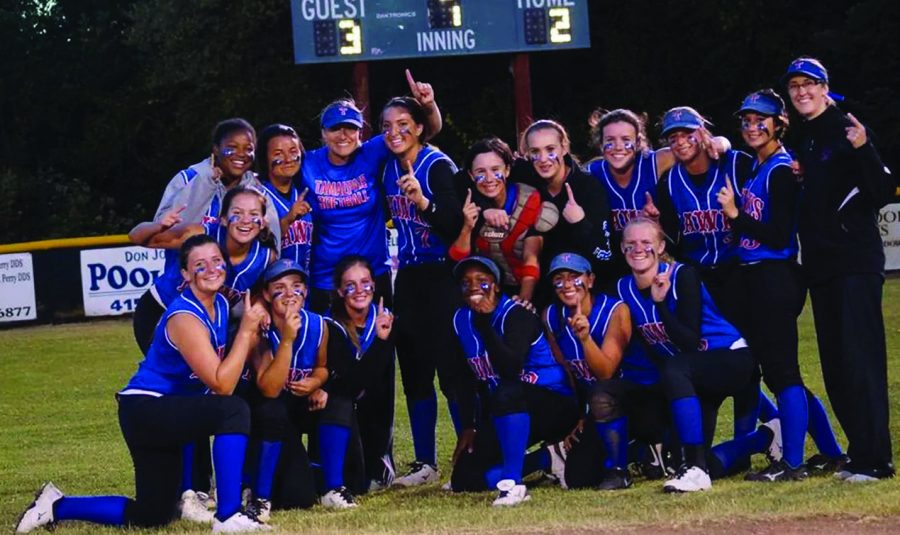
x=112, y=280
x=17, y=301
x=889, y=225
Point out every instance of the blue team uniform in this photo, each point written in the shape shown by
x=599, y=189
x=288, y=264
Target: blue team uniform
x=164, y=371
x=626, y=203
x=238, y=278
x=568, y=341
x=416, y=242
x=297, y=241
x=754, y=202
x=705, y=230
x=540, y=367
x=348, y=208
x=306, y=345
x=715, y=331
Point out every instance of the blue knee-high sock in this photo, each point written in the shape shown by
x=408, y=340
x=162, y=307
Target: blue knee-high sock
x=688, y=420
x=453, y=408
x=741, y=448
x=493, y=476
x=512, y=433
x=614, y=435
x=187, y=467
x=333, y=441
x=820, y=427
x=422, y=422
x=767, y=408
x=265, y=472
x=228, y=460
x=107, y=510
x=794, y=419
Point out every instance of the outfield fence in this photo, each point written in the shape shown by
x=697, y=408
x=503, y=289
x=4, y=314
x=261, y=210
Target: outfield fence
x=73, y=278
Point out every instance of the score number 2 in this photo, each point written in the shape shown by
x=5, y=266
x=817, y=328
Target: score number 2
x=560, y=25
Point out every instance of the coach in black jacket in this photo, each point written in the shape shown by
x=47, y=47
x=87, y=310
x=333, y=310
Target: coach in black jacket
x=844, y=185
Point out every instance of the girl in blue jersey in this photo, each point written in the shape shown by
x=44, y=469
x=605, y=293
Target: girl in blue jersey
x=422, y=200
x=284, y=153
x=346, y=195
x=591, y=332
x=164, y=406
x=765, y=219
x=524, y=393
x=361, y=363
x=702, y=358
x=241, y=231
x=687, y=207
x=291, y=370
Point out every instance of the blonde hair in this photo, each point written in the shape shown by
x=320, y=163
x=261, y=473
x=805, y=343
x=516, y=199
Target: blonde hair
x=660, y=234
x=544, y=124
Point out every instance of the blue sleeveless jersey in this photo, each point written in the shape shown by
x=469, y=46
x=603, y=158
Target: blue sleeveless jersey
x=348, y=209
x=567, y=339
x=306, y=345
x=164, y=371
x=626, y=203
x=636, y=364
x=540, y=367
x=715, y=331
x=755, y=203
x=705, y=231
x=297, y=241
x=238, y=278
x=416, y=243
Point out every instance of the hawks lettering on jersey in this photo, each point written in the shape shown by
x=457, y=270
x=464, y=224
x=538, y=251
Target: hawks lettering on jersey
x=705, y=222
x=752, y=206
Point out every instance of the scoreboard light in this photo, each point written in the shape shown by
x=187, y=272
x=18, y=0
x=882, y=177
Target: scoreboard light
x=359, y=30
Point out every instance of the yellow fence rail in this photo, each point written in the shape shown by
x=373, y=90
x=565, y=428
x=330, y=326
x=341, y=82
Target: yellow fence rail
x=64, y=243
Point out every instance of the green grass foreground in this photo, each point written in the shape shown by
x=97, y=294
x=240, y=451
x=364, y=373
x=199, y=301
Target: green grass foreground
x=58, y=422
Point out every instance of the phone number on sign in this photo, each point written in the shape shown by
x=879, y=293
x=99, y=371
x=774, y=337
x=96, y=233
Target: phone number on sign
x=15, y=312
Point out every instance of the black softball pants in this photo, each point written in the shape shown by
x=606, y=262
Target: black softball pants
x=156, y=430
x=852, y=350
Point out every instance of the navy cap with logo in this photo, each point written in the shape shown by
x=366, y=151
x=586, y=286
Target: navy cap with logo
x=569, y=262
x=808, y=67
x=681, y=118
x=486, y=263
x=282, y=267
x=340, y=113
x=761, y=103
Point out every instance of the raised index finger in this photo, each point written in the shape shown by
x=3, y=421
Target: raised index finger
x=569, y=191
x=303, y=194
x=468, y=195
x=381, y=305
x=412, y=83
x=855, y=121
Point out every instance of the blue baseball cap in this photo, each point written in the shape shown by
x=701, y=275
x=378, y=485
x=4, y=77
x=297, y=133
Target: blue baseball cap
x=569, y=262
x=809, y=67
x=682, y=118
x=487, y=263
x=762, y=103
x=341, y=113
x=282, y=267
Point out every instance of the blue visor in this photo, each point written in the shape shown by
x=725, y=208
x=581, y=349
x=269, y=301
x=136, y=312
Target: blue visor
x=337, y=114
x=282, y=267
x=487, y=263
x=681, y=119
x=569, y=262
x=762, y=104
x=809, y=67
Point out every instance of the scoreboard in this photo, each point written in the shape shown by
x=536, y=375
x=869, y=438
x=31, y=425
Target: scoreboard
x=327, y=31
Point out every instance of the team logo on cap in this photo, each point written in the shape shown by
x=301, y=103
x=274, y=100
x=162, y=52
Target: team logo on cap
x=342, y=110
x=676, y=115
x=753, y=98
x=566, y=257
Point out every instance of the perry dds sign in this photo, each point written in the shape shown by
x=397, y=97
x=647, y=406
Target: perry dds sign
x=17, y=288
x=112, y=280
x=889, y=225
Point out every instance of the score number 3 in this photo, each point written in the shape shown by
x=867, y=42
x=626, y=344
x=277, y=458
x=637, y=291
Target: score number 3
x=560, y=25
x=351, y=36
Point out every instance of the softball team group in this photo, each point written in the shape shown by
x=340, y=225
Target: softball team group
x=584, y=322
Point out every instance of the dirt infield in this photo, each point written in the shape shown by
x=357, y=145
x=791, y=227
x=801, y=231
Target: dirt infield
x=797, y=526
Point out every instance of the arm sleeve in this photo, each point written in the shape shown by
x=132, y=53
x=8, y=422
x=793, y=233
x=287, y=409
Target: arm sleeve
x=683, y=326
x=444, y=213
x=668, y=219
x=784, y=193
x=508, y=352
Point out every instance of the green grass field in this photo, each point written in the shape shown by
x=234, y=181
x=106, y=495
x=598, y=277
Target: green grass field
x=58, y=421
